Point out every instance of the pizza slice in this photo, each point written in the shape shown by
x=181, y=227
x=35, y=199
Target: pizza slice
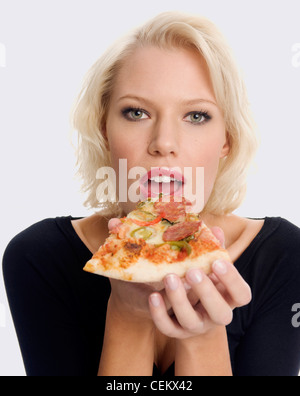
x=156, y=239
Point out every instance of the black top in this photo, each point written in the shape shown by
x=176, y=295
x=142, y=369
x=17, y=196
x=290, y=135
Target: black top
x=59, y=310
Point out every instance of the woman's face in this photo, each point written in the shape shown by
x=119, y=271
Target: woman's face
x=163, y=113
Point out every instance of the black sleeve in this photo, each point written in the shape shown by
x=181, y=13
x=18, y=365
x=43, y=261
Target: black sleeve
x=271, y=344
x=45, y=320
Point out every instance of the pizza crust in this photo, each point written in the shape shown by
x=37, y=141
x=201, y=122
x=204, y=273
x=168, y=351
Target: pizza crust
x=144, y=271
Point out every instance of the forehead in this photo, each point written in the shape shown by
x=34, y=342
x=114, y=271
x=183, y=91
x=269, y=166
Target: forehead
x=166, y=74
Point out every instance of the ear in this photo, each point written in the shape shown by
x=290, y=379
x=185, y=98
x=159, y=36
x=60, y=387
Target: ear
x=226, y=148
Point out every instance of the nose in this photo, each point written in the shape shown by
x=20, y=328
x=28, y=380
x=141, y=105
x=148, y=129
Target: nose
x=165, y=139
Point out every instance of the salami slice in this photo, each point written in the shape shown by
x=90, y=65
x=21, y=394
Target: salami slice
x=181, y=231
x=173, y=211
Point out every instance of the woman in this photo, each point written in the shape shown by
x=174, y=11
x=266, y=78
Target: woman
x=168, y=94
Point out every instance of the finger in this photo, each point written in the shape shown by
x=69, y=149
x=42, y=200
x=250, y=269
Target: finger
x=212, y=301
x=214, y=279
x=190, y=294
x=235, y=285
x=161, y=318
x=219, y=285
x=219, y=234
x=189, y=319
x=114, y=224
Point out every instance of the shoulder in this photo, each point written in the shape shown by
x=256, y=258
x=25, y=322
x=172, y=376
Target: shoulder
x=275, y=261
x=276, y=237
x=38, y=236
x=282, y=237
x=286, y=231
x=40, y=242
x=272, y=260
x=284, y=246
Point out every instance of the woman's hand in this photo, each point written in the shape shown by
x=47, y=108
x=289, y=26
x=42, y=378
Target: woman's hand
x=130, y=300
x=217, y=296
x=186, y=307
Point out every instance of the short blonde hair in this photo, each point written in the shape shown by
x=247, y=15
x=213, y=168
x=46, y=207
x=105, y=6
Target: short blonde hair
x=169, y=30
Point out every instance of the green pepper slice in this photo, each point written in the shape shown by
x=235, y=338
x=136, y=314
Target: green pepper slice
x=144, y=216
x=178, y=246
x=181, y=245
x=142, y=232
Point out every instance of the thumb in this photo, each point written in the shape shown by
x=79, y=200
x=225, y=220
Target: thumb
x=219, y=234
x=114, y=225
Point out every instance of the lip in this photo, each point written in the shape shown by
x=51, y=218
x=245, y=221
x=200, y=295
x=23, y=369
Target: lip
x=163, y=172
x=154, y=172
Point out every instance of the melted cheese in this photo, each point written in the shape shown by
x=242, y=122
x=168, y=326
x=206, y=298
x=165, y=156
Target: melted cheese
x=157, y=232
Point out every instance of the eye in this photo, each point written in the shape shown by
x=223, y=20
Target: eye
x=197, y=117
x=132, y=114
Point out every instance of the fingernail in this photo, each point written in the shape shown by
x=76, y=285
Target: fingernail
x=220, y=267
x=195, y=276
x=187, y=286
x=172, y=282
x=155, y=300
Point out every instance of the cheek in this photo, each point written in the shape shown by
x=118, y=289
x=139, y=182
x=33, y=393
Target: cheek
x=122, y=145
x=119, y=147
x=123, y=148
x=206, y=156
x=128, y=152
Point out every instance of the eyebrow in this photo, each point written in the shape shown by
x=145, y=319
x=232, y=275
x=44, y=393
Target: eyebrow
x=183, y=102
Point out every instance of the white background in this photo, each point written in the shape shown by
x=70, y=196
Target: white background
x=50, y=44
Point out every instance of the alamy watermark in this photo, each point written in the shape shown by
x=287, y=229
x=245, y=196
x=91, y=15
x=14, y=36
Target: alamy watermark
x=2, y=55
x=296, y=55
x=296, y=317
x=138, y=184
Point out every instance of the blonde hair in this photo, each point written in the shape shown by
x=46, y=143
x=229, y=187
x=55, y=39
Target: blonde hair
x=169, y=30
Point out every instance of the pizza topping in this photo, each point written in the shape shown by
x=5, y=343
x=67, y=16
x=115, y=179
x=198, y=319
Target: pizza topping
x=168, y=221
x=148, y=223
x=123, y=231
x=181, y=246
x=142, y=215
x=173, y=211
x=133, y=248
x=178, y=232
x=141, y=233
